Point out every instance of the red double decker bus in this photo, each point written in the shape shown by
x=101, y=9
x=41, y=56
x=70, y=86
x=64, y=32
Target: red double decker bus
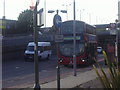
x=86, y=43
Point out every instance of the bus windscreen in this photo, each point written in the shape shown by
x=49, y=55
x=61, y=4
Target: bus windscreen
x=66, y=49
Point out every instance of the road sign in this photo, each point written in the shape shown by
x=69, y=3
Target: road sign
x=59, y=38
x=57, y=20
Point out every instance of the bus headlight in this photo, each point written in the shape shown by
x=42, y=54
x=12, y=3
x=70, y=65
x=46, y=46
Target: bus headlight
x=61, y=60
x=83, y=60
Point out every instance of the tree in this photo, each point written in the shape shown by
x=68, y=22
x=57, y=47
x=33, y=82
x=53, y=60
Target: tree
x=25, y=21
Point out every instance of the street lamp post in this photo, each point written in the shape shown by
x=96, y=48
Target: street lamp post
x=66, y=10
x=36, y=62
x=4, y=9
x=58, y=66
x=45, y=11
x=90, y=18
x=74, y=42
x=80, y=13
x=4, y=19
x=116, y=44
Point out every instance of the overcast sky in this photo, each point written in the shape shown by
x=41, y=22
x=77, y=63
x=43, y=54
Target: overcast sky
x=92, y=11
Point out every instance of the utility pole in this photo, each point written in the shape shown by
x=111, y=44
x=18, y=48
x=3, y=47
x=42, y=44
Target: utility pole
x=74, y=42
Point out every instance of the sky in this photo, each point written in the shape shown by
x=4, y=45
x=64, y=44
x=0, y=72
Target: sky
x=89, y=11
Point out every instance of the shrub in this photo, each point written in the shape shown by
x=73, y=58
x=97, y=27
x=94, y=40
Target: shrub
x=112, y=78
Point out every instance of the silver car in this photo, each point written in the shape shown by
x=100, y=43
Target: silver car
x=99, y=49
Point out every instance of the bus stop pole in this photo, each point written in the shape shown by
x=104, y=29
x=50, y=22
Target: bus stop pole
x=74, y=43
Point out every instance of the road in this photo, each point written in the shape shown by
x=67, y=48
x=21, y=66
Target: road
x=18, y=72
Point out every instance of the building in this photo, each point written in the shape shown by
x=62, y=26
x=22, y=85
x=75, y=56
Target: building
x=7, y=26
x=119, y=11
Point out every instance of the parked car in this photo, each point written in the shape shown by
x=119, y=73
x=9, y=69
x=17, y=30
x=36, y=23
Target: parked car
x=99, y=49
x=44, y=51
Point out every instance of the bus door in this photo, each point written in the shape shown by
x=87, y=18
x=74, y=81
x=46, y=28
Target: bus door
x=91, y=52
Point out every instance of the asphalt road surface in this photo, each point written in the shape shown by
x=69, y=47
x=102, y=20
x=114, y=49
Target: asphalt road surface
x=18, y=72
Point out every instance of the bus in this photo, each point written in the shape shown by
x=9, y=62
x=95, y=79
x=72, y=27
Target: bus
x=86, y=43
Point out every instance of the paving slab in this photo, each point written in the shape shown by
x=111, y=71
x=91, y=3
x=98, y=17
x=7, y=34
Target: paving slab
x=72, y=81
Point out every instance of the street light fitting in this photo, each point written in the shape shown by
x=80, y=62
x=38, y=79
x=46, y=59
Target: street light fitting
x=116, y=20
x=40, y=11
x=63, y=11
x=51, y=11
x=37, y=1
x=80, y=10
x=66, y=4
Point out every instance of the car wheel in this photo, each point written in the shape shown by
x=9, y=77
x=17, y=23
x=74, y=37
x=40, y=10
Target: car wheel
x=48, y=57
x=25, y=59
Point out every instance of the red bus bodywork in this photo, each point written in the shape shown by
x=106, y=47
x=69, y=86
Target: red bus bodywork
x=88, y=39
x=69, y=60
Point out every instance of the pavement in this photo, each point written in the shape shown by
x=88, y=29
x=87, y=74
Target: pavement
x=88, y=79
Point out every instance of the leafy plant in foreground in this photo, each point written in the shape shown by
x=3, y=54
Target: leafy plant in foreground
x=111, y=79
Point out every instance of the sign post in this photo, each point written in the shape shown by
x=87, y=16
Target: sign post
x=58, y=38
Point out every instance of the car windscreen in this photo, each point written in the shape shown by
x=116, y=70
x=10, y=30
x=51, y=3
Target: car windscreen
x=31, y=48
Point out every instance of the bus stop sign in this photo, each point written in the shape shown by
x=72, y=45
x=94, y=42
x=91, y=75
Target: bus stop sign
x=57, y=21
x=59, y=38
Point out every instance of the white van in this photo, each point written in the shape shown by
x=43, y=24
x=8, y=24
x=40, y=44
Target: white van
x=44, y=51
